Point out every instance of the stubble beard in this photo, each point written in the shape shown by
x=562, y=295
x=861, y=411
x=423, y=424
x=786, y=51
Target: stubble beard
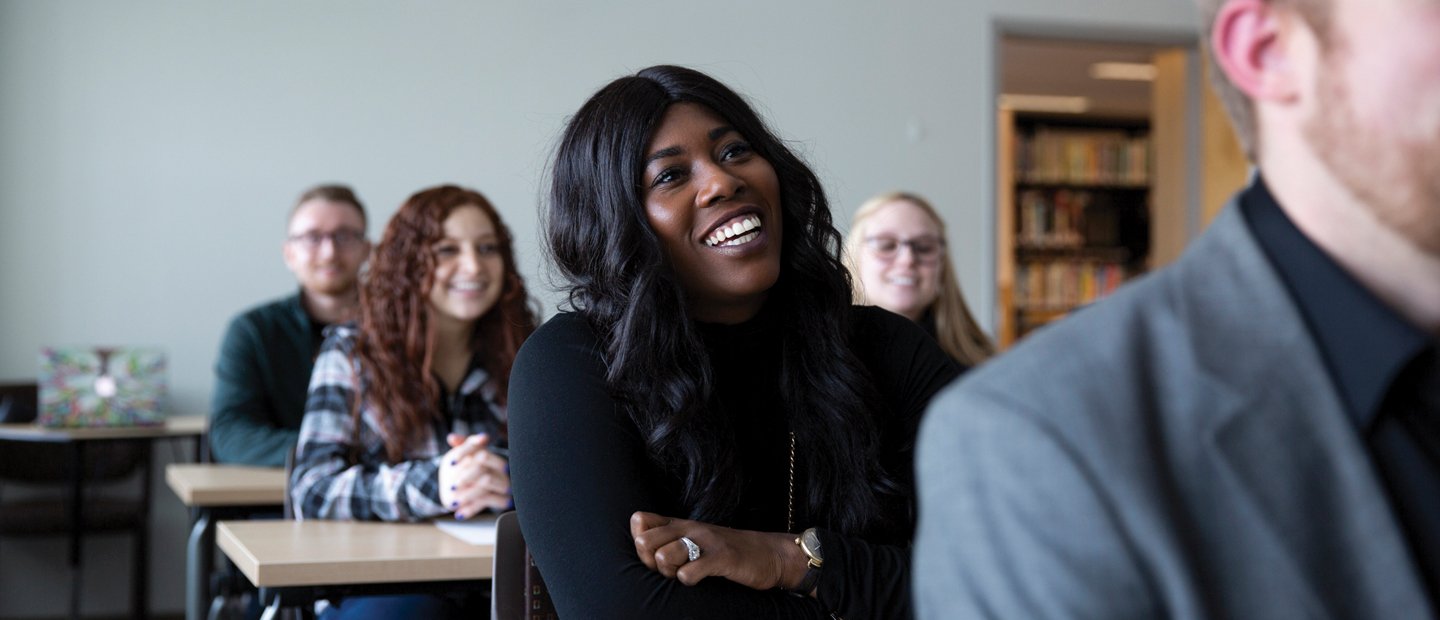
x=333, y=286
x=1394, y=173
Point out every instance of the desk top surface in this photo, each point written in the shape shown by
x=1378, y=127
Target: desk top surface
x=211, y=485
x=174, y=426
x=311, y=553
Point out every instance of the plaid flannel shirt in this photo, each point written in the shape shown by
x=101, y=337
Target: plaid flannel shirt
x=342, y=474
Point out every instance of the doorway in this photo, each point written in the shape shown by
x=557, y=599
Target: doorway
x=1099, y=161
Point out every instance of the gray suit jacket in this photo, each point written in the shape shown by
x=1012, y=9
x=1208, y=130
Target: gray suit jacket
x=1177, y=450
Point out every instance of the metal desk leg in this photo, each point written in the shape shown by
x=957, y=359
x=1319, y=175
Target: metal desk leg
x=199, y=560
x=271, y=610
x=77, y=525
x=140, y=562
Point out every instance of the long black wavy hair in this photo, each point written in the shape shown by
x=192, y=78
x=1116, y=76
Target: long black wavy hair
x=618, y=278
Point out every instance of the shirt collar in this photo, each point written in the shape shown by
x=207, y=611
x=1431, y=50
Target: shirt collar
x=297, y=308
x=1363, y=343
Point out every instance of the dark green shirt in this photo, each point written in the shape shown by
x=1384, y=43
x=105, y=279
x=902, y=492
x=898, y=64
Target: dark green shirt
x=261, y=379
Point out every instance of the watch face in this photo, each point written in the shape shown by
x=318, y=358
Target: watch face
x=812, y=543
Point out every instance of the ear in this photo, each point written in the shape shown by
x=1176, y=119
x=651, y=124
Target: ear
x=288, y=252
x=1250, y=43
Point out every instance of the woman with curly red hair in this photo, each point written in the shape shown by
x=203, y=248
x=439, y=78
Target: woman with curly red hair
x=405, y=418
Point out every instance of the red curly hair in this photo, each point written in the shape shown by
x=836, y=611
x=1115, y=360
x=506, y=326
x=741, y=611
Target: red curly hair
x=394, y=346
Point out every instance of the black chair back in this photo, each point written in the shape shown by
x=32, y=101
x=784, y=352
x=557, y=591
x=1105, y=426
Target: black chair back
x=507, y=579
x=19, y=402
x=517, y=592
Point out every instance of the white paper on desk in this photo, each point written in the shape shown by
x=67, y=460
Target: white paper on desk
x=478, y=530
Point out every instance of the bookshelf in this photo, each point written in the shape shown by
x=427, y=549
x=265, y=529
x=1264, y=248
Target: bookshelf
x=1074, y=214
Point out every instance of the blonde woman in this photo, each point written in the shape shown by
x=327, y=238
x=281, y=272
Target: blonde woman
x=897, y=256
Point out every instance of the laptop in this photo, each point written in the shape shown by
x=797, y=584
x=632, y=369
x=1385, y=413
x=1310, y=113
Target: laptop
x=102, y=386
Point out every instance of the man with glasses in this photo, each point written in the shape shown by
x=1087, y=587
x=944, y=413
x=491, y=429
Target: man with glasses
x=265, y=360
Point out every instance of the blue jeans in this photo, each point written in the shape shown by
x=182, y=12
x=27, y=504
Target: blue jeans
x=397, y=607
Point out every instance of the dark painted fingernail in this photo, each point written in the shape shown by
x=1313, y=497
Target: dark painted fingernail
x=452, y=461
x=452, y=487
x=459, y=517
x=454, y=504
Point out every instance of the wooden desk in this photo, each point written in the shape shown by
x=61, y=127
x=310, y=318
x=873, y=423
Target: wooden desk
x=301, y=561
x=307, y=553
x=205, y=485
x=173, y=428
x=218, y=491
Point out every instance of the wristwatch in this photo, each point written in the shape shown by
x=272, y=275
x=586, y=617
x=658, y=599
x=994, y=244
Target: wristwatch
x=809, y=543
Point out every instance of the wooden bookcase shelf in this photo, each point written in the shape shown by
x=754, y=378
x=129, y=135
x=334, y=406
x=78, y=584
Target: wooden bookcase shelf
x=1074, y=214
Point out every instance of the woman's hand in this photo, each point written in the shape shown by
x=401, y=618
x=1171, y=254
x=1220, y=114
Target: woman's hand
x=473, y=478
x=760, y=560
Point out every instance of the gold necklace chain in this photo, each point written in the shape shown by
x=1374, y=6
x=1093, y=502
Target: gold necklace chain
x=790, y=508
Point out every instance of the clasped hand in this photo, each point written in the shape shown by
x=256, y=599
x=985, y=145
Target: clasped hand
x=760, y=560
x=472, y=478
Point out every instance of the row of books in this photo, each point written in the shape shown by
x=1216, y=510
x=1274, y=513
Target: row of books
x=1083, y=157
x=1052, y=218
x=1064, y=284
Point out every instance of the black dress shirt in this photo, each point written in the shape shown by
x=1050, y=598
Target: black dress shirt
x=1385, y=369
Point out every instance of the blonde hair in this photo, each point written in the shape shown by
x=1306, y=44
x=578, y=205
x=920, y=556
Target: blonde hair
x=959, y=335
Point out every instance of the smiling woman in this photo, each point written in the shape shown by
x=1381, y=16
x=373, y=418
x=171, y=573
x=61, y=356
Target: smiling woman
x=898, y=257
x=713, y=431
x=724, y=254
x=405, y=418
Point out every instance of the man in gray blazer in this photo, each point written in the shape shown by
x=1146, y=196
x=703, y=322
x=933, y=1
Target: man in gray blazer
x=1254, y=431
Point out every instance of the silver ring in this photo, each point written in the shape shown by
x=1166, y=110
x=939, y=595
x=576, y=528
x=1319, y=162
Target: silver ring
x=691, y=549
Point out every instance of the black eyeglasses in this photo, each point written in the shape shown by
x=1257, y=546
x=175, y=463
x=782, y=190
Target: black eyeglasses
x=924, y=249
x=343, y=239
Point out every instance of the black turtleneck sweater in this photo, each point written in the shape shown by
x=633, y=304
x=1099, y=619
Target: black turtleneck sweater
x=580, y=469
